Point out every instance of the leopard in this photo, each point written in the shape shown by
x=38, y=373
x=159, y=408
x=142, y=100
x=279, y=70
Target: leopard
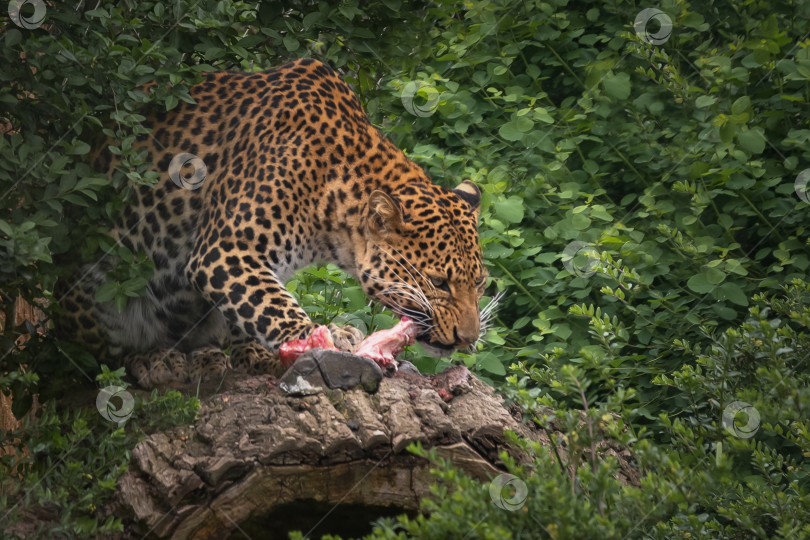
x=262, y=174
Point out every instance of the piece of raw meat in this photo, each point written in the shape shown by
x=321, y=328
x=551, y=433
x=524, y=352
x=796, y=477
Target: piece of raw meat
x=291, y=350
x=384, y=345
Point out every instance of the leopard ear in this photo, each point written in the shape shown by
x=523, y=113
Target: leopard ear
x=469, y=193
x=384, y=213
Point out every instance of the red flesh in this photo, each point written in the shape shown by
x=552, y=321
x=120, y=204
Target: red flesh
x=290, y=351
x=382, y=346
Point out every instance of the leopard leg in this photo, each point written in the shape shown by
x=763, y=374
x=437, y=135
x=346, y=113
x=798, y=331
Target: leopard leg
x=155, y=337
x=251, y=357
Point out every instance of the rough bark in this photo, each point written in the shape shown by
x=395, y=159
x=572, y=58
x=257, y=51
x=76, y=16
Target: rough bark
x=255, y=449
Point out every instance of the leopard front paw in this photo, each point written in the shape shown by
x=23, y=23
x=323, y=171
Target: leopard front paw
x=208, y=364
x=346, y=338
x=254, y=359
x=157, y=368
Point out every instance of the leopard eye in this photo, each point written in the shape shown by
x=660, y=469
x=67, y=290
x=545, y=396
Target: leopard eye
x=440, y=283
x=482, y=281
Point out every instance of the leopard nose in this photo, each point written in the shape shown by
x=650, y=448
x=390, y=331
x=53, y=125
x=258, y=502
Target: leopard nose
x=465, y=338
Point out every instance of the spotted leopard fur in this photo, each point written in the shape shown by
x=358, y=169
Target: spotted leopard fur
x=294, y=173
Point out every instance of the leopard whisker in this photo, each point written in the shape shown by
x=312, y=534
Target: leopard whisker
x=397, y=292
x=491, y=308
x=412, y=313
x=409, y=292
x=417, y=312
x=403, y=290
x=486, y=315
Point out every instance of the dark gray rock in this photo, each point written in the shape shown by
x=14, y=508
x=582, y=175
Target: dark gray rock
x=303, y=378
x=318, y=369
x=407, y=367
x=342, y=370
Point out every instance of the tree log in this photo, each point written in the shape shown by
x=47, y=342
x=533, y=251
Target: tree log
x=254, y=451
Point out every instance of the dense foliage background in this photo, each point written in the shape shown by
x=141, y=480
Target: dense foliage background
x=644, y=207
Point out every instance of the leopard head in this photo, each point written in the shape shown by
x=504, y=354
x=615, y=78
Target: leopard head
x=422, y=259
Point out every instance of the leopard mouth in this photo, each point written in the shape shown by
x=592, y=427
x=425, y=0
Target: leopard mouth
x=424, y=323
x=434, y=348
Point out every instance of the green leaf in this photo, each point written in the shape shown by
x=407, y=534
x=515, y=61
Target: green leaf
x=490, y=362
x=580, y=221
x=618, y=85
x=741, y=105
x=79, y=148
x=752, y=141
x=732, y=292
x=542, y=115
x=290, y=43
x=509, y=132
x=547, y=258
x=734, y=266
x=171, y=102
x=699, y=284
x=515, y=129
x=355, y=296
x=600, y=212
x=714, y=275
x=562, y=331
x=510, y=210
x=106, y=292
x=134, y=287
x=13, y=36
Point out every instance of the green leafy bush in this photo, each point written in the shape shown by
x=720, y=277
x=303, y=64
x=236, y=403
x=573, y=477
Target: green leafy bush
x=732, y=462
x=63, y=466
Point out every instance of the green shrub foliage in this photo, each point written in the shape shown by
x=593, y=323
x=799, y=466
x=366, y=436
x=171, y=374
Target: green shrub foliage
x=645, y=208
